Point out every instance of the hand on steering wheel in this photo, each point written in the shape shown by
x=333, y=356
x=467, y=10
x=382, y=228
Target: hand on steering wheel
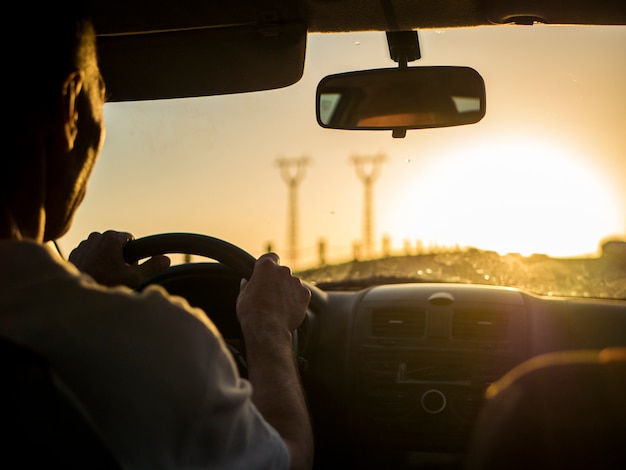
x=213, y=287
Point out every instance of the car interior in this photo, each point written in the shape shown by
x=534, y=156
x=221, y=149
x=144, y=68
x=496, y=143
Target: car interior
x=395, y=362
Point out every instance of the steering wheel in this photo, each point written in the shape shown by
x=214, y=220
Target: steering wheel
x=213, y=287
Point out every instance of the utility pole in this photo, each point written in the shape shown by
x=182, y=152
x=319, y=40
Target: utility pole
x=368, y=171
x=292, y=172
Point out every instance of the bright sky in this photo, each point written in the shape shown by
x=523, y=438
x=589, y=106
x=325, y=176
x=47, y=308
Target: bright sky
x=543, y=172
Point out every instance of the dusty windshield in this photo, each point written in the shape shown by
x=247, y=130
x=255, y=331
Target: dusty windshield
x=532, y=196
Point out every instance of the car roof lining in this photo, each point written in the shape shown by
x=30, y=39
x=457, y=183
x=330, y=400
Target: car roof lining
x=163, y=49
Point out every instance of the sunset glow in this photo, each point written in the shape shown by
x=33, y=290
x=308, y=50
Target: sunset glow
x=528, y=197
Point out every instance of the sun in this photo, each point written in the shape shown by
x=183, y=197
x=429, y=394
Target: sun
x=510, y=196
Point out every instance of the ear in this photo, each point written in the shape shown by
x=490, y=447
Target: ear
x=72, y=86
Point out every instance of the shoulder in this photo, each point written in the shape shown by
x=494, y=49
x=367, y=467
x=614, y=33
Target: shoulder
x=134, y=359
x=51, y=307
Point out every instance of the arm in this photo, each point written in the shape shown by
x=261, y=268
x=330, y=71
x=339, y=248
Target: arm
x=101, y=256
x=270, y=306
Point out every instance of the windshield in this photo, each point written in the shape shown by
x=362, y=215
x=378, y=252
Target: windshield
x=527, y=197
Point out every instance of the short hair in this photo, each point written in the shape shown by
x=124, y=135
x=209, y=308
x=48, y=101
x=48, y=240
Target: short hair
x=48, y=41
x=52, y=42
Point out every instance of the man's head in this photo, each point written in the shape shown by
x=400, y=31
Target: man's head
x=55, y=96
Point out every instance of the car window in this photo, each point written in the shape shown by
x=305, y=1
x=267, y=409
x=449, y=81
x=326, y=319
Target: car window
x=526, y=197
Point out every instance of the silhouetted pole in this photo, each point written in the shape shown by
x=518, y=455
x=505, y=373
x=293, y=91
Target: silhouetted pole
x=292, y=172
x=368, y=171
x=321, y=251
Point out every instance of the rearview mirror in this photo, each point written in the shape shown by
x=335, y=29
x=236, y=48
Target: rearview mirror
x=398, y=99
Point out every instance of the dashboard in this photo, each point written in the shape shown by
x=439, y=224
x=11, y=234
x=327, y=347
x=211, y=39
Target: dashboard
x=399, y=371
x=395, y=374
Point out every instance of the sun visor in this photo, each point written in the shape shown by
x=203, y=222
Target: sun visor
x=202, y=61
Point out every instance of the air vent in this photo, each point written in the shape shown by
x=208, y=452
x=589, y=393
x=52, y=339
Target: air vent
x=399, y=323
x=480, y=324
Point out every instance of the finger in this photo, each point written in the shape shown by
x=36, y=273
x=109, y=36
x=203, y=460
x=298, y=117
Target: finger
x=93, y=236
x=153, y=266
x=271, y=255
x=121, y=237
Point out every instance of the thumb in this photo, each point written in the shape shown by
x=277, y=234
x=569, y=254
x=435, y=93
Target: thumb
x=153, y=266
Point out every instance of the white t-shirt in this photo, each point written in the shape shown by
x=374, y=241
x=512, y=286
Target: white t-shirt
x=151, y=372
